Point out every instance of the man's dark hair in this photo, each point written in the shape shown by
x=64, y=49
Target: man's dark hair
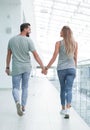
x=23, y=26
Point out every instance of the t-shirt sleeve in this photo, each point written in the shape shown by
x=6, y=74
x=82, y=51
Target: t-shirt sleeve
x=9, y=45
x=31, y=45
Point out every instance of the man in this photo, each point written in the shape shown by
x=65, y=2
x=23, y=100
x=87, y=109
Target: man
x=19, y=48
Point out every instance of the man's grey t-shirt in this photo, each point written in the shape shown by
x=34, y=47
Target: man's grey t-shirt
x=20, y=47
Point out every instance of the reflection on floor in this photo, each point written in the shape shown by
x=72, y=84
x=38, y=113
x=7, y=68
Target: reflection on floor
x=43, y=108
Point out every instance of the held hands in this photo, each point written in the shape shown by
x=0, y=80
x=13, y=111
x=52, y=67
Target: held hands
x=44, y=71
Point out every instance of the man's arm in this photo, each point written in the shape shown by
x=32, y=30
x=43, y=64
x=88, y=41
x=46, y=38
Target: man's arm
x=8, y=59
x=37, y=58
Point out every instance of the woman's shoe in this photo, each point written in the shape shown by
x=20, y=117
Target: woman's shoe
x=63, y=112
x=67, y=115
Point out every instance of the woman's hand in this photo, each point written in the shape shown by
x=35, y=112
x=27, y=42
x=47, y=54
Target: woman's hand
x=44, y=71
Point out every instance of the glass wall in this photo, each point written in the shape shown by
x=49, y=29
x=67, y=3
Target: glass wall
x=81, y=93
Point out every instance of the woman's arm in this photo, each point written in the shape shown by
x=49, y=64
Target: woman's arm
x=56, y=51
x=75, y=54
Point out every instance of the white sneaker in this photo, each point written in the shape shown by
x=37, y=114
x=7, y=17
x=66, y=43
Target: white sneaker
x=63, y=112
x=67, y=115
x=19, y=110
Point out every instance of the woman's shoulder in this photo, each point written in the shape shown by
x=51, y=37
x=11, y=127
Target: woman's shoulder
x=60, y=42
x=57, y=44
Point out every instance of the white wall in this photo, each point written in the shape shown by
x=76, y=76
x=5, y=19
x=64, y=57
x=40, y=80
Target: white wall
x=10, y=18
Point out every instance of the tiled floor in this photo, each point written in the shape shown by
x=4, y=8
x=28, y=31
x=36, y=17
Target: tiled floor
x=42, y=110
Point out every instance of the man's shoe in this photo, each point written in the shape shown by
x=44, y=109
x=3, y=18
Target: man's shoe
x=19, y=110
x=23, y=110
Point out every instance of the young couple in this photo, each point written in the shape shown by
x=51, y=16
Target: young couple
x=19, y=48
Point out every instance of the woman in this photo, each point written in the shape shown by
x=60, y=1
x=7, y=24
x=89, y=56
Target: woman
x=66, y=68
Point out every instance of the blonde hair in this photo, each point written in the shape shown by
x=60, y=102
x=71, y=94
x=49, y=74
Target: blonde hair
x=70, y=43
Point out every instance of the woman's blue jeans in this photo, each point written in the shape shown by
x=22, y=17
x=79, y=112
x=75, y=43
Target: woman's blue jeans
x=66, y=78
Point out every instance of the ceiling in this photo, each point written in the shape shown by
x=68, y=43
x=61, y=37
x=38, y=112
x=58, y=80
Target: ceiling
x=52, y=15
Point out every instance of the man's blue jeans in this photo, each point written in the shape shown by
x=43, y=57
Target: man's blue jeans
x=24, y=77
x=66, y=78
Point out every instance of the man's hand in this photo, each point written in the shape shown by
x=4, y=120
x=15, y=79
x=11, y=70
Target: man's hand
x=44, y=71
x=8, y=59
x=7, y=71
